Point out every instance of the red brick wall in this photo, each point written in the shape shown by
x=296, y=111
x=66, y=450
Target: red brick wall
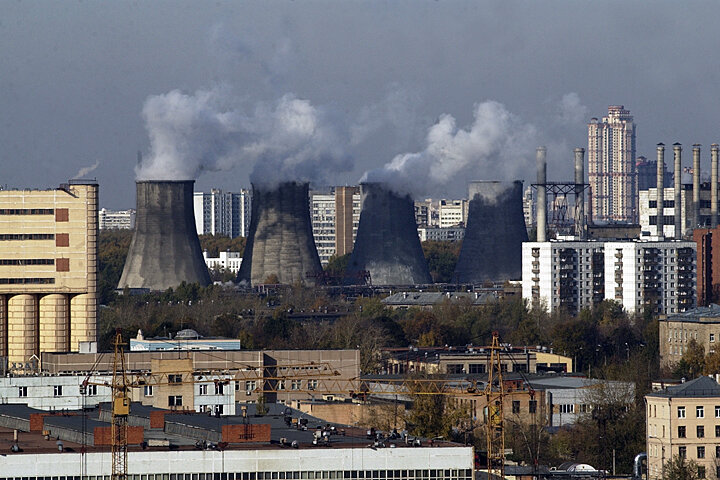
x=246, y=433
x=157, y=418
x=103, y=436
x=36, y=421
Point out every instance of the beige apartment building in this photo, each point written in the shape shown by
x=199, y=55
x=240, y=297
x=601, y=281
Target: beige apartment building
x=684, y=420
x=48, y=260
x=701, y=324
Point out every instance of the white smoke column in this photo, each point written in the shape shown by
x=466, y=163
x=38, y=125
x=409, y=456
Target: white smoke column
x=289, y=139
x=496, y=146
x=86, y=170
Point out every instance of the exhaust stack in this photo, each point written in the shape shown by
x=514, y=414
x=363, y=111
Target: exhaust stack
x=660, y=189
x=696, y=185
x=165, y=249
x=541, y=195
x=387, y=244
x=677, y=177
x=492, y=248
x=714, y=148
x=280, y=243
x=580, y=230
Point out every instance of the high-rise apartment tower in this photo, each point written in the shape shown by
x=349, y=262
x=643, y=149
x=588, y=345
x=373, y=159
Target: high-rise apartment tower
x=611, y=167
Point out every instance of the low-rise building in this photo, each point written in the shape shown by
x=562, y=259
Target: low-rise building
x=684, y=421
x=226, y=261
x=116, y=219
x=701, y=324
x=187, y=339
x=441, y=234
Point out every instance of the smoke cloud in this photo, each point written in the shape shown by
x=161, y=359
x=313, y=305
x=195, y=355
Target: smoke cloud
x=86, y=170
x=497, y=145
x=214, y=130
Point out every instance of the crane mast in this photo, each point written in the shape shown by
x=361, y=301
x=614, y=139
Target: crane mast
x=495, y=424
x=120, y=412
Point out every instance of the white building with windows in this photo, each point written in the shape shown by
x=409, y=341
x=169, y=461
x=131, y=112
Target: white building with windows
x=223, y=213
x=453, y=213
x=116, y=219
x=229, y=261
x=322, y=211
x=441, y=234
x=573, y=275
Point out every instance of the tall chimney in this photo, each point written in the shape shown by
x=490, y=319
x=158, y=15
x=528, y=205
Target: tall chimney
x=580, y=193
x=660, y=188
x=541, y=194
x=714, y=184
x=677, y=176
x=696, y=185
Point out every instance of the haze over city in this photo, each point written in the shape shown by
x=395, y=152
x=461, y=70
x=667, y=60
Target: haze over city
x=80, y=80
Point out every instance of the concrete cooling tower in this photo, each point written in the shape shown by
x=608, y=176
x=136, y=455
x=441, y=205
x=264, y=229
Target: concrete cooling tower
x=492, y=248
x=387, y=244
x=281, y=240
x=165, y=249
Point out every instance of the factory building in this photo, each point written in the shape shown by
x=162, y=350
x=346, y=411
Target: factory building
x=48, y=257
x=611, y=167
x=649, y=210
x=222, y=213
x=116, y=219
x=638, y=274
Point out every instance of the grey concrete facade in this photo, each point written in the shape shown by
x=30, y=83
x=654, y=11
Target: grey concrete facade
x=165, y=249
x=281, y=240
x=387, y=244
x=492, y=249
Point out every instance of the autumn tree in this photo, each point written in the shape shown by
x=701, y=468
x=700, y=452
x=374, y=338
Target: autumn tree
x=680, y=468
x=692, y=363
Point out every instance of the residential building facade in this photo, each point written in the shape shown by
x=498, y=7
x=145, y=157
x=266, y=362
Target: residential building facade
x=701, y=324
x=611, y=167
x=335, y=215
x=441, y=234
x=116, y=220
x=223, y=213
x=229, y=261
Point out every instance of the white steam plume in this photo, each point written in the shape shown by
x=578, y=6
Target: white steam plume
x=497, y=145
x=289, y=139
x=86, y=170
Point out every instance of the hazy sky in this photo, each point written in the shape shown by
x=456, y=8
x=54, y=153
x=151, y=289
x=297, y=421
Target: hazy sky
x=374, y=77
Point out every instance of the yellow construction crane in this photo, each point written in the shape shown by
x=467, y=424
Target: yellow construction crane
x=273, y=379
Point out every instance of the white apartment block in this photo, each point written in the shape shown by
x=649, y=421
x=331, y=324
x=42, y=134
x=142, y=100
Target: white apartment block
x=440, y=234
x=563, y=275
x=324, y=217
x=573, y=275
x=229, y=261
x=529, y=208
x=452, y=213
x=116, y=219
x=647, y=202
x=219, y=213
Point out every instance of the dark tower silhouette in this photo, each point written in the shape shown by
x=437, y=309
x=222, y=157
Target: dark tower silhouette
x=165, y=249
x=387, y=244
x=492, y=248
x=281, y=240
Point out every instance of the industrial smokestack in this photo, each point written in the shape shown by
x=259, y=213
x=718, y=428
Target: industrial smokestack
x=714, y=148
x=492, y=248
x=541, y=194
x=280, y=246
x=387, y=244
x=660, y=188
x=696, y=185
x=165, y=250
x=580, y=193
x=677, y=176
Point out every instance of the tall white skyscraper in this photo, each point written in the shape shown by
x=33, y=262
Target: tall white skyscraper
x=611, y=167
x=221, y=213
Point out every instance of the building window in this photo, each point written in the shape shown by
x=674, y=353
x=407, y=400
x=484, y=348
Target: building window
x=148, y=390
x=218, y=409
x=701, y=471
x=175, y=401
x=455, y=368
x=22, y=391
x=712, y=337
x=681, y=412
x=250, y=386
x=699, y=412
x=57, y=390
x=516, y=406
x=701, y=452
x=681, y=431
x=281, y=385
x=92, y=390
x=312, y=384
x=700, y=431
x=219, y=389
x=295, y=385
x=477, y=368
x=174, y=378
x=532, y=406
x=682, y=452
x=567, y=408
x=202, y=389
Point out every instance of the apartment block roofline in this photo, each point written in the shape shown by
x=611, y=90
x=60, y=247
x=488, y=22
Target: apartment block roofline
x=704, y=387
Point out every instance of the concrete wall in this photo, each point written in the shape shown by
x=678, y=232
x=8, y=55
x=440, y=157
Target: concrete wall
x=165, y=249
x=387, y=243
x=281, y=240
x=492, y=248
